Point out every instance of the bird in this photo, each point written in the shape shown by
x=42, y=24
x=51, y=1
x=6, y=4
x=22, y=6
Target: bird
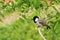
x=40, y=22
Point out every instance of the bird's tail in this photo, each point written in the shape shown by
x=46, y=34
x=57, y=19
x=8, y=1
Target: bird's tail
x=48, y=27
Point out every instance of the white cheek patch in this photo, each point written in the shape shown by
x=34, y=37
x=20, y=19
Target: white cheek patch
x=36, y=19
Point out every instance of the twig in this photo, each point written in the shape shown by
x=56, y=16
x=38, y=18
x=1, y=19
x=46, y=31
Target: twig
x=41, y=34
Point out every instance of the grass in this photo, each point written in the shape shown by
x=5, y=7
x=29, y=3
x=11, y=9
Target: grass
x=24, y=28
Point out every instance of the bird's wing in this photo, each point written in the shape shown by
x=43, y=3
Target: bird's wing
x=42, y=21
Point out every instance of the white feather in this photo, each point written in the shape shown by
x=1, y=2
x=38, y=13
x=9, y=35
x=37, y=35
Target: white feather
x=36, y=19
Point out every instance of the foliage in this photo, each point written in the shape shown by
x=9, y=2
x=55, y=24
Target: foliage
x=24, y=28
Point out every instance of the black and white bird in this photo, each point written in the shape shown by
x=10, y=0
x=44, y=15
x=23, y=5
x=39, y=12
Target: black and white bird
x=40, y=22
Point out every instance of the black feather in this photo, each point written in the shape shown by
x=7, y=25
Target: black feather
x=48, y=27
x=35, y=18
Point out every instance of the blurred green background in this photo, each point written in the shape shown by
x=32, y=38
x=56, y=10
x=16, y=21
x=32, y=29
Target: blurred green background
x=16, y=19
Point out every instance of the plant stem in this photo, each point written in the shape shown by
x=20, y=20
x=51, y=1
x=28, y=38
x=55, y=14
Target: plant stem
x=41, y=33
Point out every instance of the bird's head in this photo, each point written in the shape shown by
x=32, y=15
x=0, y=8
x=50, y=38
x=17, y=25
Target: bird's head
x=35, y=19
